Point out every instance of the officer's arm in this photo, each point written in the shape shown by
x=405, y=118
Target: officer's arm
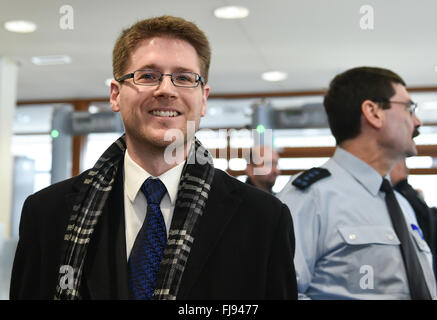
x=304, y=208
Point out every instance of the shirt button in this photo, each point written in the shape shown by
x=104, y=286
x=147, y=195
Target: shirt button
x=352, y=236
x=390, y=237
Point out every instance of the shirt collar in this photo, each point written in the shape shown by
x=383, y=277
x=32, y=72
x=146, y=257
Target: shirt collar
x=135, y=176
x=368, y=177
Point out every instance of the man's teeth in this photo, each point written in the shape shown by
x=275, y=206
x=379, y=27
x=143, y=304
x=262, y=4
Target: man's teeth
x=165, y=113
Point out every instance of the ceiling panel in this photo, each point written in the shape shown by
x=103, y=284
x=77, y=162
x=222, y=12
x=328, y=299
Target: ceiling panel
x=310, y=40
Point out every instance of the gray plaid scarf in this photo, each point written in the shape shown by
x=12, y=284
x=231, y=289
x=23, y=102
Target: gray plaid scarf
x=191, y=200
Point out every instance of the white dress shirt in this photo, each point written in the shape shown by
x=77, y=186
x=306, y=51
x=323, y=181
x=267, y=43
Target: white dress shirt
x=135, y=204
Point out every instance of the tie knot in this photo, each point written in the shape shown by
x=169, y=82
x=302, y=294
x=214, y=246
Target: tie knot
x=154, y=190
x=386, y=186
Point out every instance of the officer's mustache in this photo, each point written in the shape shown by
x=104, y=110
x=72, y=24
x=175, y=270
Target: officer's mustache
x=416, y=132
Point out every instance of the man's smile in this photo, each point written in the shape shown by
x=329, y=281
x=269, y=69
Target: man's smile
x=165, y=113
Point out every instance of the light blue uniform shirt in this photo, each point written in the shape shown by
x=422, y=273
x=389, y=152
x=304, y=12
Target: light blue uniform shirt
x=346, y=247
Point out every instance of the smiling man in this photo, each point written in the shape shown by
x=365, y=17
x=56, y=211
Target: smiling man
x=139, y=226
x=354, y=235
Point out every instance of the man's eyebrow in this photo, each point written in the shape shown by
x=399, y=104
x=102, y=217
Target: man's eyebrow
x=149, y=67
x=182, y=69
x=155, y=67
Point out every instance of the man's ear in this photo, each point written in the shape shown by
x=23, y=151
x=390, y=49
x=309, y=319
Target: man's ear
x=115, y=96
x=373, y=113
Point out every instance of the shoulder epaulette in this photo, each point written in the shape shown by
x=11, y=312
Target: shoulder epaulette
x=310, y=176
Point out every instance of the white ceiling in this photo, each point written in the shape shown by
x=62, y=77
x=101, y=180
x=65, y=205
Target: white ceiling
x=310, y=40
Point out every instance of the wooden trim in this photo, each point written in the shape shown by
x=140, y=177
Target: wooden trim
x=62, y=101
x=427, y=150
x=311, y=152
x=302, y=93
x=326, y=152
x=419, y=171
x=251, y=95
x=298, y=152
x=423, y=171
x=79, y=142
x=314, y=152
x=247, y=95
x=422, y=89
x=236, y=173
x=306, y=152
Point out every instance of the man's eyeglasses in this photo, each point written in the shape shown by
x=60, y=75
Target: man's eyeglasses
x=410, y=105
x=183, y=79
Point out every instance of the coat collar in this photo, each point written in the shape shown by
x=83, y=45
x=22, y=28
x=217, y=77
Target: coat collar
x=105, y=269
x=223, y=203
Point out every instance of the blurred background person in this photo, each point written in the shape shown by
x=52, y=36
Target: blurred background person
x=262, y=168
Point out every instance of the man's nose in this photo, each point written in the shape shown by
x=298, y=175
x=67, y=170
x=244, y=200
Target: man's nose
x=165, y=86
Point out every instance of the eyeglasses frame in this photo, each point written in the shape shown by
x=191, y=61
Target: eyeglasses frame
x=410, y=105
x=199, y=78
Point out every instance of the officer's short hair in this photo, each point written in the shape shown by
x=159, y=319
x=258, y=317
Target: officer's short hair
x=346, y=93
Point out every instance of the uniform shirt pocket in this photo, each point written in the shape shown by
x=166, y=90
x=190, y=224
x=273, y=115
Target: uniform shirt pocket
x=362, y=235
x=420, y=243
x=373, y=262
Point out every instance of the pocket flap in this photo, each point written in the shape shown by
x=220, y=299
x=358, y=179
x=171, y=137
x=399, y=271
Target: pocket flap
x=359, y=235
x=423, y=246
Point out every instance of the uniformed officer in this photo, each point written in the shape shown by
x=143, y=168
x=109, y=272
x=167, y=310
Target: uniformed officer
x=352, y=240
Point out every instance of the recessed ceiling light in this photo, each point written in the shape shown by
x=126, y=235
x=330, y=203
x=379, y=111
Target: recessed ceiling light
x=274, y=76
x=20, y=26
x=231, y=12
x=51, y=60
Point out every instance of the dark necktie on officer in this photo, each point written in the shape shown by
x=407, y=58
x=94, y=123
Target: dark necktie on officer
x=149, y=245
x=416, y=279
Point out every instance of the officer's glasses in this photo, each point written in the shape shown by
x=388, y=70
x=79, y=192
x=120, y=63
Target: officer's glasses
x=410, y=105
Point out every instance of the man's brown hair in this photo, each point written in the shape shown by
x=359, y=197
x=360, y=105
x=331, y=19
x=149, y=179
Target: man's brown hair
x=164, y=26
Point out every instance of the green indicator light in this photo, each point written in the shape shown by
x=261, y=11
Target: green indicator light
x=260, y=128
x=54, y=133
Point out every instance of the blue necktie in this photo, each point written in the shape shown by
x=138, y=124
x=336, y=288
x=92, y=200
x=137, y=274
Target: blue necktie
x=149, y=244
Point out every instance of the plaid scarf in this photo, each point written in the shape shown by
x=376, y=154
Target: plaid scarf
x=191, y=200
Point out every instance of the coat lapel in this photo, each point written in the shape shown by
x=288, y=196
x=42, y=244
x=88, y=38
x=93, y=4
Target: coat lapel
x=223, y=203
x=105, y=269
